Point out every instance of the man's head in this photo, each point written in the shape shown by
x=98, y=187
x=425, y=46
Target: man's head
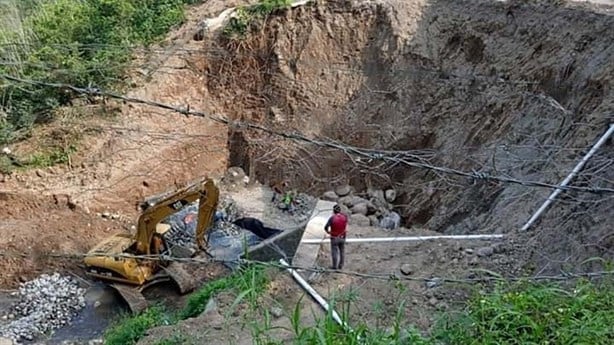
x=336, y=209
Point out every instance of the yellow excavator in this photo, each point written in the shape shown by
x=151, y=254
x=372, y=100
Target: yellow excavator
x=120, y=259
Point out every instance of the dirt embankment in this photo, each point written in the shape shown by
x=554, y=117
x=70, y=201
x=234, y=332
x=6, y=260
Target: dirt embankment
x=510, y=89
x=124, y=153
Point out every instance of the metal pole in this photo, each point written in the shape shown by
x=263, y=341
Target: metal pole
x=571, y=175
x=407, y=238
x=313, y=293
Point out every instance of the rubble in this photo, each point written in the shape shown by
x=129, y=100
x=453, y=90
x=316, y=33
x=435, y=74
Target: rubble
x=183, y=223
x=45, y=304
x=302, y=208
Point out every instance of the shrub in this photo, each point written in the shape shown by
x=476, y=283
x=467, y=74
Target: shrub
x=534, y=314
x=77, y=42
x=246, y=16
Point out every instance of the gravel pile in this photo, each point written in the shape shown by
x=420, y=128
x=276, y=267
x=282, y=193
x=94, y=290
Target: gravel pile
x=45, y=304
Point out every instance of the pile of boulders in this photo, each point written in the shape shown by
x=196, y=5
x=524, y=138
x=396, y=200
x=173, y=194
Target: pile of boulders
x=371, y=208
x=44, y=304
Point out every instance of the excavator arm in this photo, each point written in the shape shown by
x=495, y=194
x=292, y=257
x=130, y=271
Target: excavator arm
x=159, y=207
x=206, y=212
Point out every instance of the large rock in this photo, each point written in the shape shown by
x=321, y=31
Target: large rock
x=235, y=175
x=373, y=220
x=346, y=200
x=359, y=220
x=330, y=196
x=351, y=200
x=407, y=269
x=390, y=221
x=345, y=209
x=343, y=190
x=360, y=209
x=6, y=341
x=391, y=195
x=485, y=251
x=377, y=197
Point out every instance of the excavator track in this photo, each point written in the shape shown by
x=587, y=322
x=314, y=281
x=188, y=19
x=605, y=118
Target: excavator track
x=181, y=277
x=132, y=296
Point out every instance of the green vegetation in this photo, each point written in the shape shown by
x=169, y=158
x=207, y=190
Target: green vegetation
x=53, y=156
x=534, y=314
x=175, y=339
x=512, y=314
x=520, y=313
x=78, y=42
x=246, y=16
x=248, y=282
x=129, y=329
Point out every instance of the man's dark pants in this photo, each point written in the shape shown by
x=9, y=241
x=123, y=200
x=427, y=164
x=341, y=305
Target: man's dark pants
x=337, y=250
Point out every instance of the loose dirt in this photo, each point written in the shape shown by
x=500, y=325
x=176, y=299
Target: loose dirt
x=515, y=88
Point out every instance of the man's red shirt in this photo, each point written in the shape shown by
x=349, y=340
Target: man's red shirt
x=338, y=223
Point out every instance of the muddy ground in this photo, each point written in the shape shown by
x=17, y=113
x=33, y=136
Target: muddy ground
x=515, y=89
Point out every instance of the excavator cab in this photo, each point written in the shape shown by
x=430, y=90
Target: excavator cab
x=133, y=262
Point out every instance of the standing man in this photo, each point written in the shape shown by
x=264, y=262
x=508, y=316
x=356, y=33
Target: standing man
x=336, y=228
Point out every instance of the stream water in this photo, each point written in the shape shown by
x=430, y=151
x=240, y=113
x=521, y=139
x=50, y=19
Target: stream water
x=102, y=306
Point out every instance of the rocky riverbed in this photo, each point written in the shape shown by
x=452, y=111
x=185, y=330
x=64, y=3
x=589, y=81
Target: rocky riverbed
x=43, y=305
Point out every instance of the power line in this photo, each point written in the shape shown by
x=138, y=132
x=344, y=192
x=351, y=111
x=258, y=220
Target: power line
x=392, y=276
x=399, y=157
x=221, y=53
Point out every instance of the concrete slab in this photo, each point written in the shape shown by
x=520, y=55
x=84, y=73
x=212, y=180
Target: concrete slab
x=306, y=254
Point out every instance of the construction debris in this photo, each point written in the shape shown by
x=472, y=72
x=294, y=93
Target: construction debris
x=45, y=304
x=183, y=223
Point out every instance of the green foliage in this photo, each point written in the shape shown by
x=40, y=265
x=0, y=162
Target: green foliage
x=176, y=339
x=534, y=314
x=249, y=281
x=246, y=16
x=78, y=42
x=512, y=314
x=328, y=332
x=517, y=314
x=52, y=157
x=128, y=330
x=6, y=166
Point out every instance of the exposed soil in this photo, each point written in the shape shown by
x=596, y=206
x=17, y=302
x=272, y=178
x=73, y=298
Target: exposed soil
x=518, y=89
x=511, y=89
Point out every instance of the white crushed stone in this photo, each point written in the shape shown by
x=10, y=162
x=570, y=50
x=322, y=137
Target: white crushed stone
x=45, y=304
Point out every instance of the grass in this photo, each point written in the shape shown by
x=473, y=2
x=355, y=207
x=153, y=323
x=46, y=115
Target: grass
x=534, y=314
x=247, y=283
x=518, y=313
x=129, y=329
x=522, y=313
x=57, y=155
x=246, y=16
x=175, y=339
